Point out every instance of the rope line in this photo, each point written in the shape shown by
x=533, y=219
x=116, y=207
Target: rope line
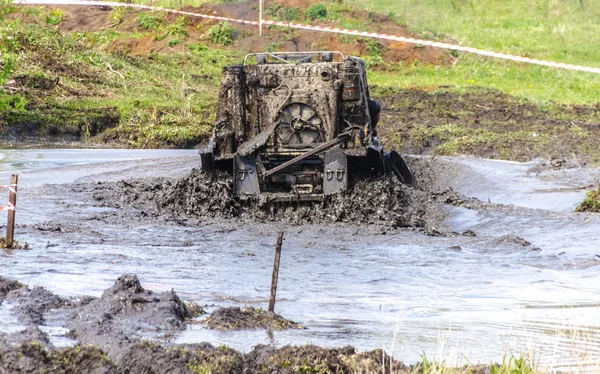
x=336, y=30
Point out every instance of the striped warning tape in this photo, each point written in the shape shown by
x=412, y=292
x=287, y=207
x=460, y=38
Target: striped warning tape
x=11, y=187
x=336, y=30
x=10, y=206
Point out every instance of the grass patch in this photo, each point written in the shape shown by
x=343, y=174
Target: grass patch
x=71, y=85
x=552, y=30
x=546, y=29
x=221, y=33
x=591, y=203
x=536, y=83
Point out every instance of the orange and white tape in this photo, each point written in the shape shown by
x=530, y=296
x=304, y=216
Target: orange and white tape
x=336, y=30
x=11, y=187
x=10, y=206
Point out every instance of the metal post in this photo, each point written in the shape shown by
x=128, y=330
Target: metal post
x=275, y=271
x=260, y=15
x=12, y=199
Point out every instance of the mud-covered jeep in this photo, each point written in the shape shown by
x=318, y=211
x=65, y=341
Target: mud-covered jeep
x=298, y=126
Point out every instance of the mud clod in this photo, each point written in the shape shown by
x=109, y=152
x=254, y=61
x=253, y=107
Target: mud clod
x=34, y=303
x=236, y=318
x=32, y=357
x=512, y=239
x=125, y=313
x=7, y=285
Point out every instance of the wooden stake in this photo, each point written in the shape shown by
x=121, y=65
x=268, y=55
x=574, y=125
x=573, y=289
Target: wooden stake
x=261, y=5
x=275, y=271
x=12, y=199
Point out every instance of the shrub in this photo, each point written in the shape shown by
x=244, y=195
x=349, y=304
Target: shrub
x=149, y=22
x=221, y=34
x=317, y=11
x=6, y=7
x=7, y=65
x=198, y=47
x=54, y=17
x=117, y=15
x=279, y=12
x=176, y=29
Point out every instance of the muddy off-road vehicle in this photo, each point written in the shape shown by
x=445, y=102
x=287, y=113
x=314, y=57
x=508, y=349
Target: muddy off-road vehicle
x=298, y=126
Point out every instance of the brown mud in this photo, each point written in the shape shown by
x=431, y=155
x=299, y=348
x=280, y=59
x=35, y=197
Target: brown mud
x=108, y=334
x=489, y=124
x=200, y=195
x=236, y=318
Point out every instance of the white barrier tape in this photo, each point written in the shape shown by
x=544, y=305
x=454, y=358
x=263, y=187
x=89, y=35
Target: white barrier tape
x=10, y=206
x=336, y=30
x=11, y=187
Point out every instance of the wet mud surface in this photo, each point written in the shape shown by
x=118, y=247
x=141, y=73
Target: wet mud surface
x=107, y=331
x=489, y=124
x=237, y=318
x=202, y=195
x=499, y=247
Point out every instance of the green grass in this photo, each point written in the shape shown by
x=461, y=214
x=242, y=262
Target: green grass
x=561, y=31
x=537, y=83
x=157, y=100
x=591, y=203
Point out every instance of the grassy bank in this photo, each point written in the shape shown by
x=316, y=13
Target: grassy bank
x=149, y=357
x=145, y=80
x=561, y=31
x=72, y=85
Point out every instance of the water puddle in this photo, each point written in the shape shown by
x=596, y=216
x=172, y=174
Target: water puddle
x=453, y=297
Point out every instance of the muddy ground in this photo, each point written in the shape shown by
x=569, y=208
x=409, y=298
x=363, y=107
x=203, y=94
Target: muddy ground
x=489, y=124
x=380, y=201
x=107, y=330
x=120, y=330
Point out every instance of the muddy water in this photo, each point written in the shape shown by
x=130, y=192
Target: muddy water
x=527, y=282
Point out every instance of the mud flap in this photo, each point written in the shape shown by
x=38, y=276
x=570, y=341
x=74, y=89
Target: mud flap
x=207, y=161
x=335, y=172
x=399, y=167
x=375, y=162
x=245, y=176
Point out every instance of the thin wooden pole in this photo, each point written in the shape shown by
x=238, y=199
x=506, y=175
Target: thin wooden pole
x=12, y=199
x=261, y=6
x=275, y=271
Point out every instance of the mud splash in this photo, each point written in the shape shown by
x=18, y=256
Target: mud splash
x=383, y=201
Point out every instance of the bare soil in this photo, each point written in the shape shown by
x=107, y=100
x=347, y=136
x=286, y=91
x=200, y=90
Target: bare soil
x=82, y=19
x=489, y=124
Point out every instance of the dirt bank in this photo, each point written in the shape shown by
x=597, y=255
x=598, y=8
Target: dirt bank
x=489, y=124
x=32, y=357
x=110, y=332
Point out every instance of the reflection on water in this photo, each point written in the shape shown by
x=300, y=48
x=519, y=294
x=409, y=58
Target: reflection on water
x=450, y=297
x=21, y=160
